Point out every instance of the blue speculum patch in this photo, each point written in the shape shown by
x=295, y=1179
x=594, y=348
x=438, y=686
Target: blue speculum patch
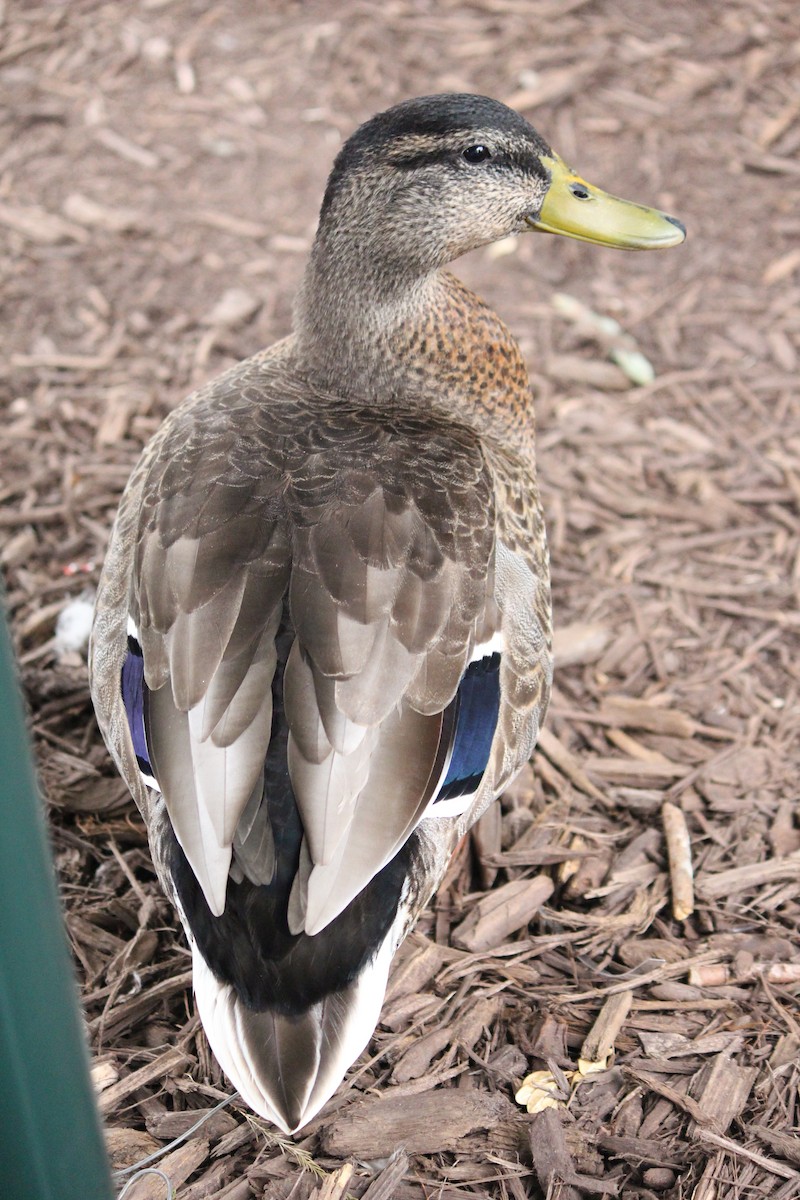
x=478, y=707
x=134, y=696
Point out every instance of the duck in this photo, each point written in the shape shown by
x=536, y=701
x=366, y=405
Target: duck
x=322, y=635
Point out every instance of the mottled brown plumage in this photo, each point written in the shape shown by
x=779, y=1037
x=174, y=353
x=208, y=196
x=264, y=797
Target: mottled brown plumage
x=322, y=637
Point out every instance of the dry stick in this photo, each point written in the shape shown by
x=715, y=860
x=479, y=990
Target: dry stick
x=50, y=514
x=740, y=879
x=785, y=1144
x=658, y=975
x=178, y=1141
x=334, y=1186
x=679, y=853
x=568, y=764
x=384, y=1186
x=501, y=912
x=761, y=1160
x=675, y=1097
x=719, y=974
x=782, y=1012
x=171, y=1060
x=600, y=1039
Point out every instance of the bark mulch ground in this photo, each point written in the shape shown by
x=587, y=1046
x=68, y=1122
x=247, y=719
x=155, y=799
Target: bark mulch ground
x=159, y=178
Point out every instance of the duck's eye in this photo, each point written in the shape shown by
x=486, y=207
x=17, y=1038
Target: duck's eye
x=579, y=191
x=476, y=154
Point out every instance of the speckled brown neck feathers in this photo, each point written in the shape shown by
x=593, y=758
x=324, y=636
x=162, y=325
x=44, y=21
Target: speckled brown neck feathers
x=436, y=345
x=463, y=352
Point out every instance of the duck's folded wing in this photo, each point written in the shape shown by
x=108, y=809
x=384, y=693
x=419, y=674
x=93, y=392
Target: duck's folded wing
x=387, y=578
x=385, y=613
x=205, y=611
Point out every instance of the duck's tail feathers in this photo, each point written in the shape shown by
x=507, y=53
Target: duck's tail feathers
x=286, y=1067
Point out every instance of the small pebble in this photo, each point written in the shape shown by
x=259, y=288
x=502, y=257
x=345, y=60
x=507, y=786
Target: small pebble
x=233, y=308
x=658, y=1178
x=74, y=625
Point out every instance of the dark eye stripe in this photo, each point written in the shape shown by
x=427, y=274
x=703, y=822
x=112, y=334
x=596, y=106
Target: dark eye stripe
x=421, y=158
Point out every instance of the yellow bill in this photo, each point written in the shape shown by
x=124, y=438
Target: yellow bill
x=577, y=209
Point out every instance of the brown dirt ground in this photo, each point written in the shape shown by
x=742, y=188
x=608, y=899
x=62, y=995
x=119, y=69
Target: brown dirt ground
x=159, y=154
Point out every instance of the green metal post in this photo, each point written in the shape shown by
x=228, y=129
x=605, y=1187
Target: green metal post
x=51, y=1146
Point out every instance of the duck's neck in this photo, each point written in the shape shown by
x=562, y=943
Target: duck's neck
x=426, y=340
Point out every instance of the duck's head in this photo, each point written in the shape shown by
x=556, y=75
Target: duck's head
x=426, y=181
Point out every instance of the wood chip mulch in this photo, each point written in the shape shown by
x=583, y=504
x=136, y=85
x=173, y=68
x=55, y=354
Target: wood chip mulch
x=632, y=903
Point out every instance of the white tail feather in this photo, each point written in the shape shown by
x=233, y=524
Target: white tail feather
x=287, y=1067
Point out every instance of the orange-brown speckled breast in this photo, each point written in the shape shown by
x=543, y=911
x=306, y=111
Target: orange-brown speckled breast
x=460, y=356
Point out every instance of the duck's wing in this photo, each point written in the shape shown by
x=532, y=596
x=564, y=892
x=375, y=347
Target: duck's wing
x=387, y=576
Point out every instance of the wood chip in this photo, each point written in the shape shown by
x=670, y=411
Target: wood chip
x=487, y=838
x=234, y=307
x=598, y=1045
x=502, y=912
x=237, y=226
x=781, y=268
x=739, y=1151
x=103, y=1075
x=162, y=1065
x=639, y=714
x=128, y=1146
x=676, y=1045
x=177, y=1167
x=132, y=1008
x=545, y=87
x=335, y=1185
x=785, y=1144
x=579, y=642
x=85, y=211
x=720, y=974
x=634, y=772
x=170, y=1125
x=569, y=368
x=38, y=225
x=673, y=1095
x=776, y=126
x=431, y=1123
x=383, y=1187
x=753, y=875
x=567, y=763
x=679, y=853
x=722, y=1088
x=74, y=362
x=554, y=1164
x=417, y=969
x=125, y=148
x=210, y=1182
x=465, y=1031
x=238, y=1189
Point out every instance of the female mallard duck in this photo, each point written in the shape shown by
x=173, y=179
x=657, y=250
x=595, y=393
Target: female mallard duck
x=321, y=646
